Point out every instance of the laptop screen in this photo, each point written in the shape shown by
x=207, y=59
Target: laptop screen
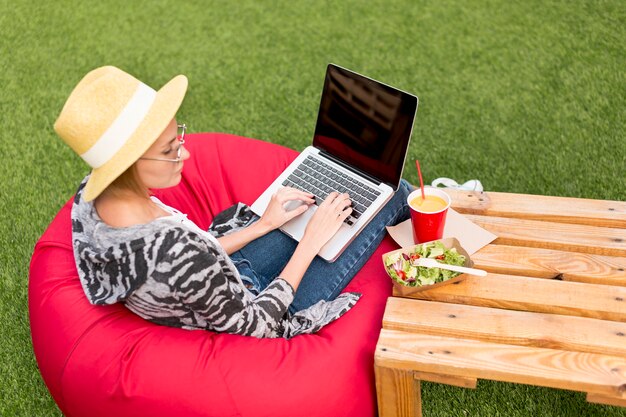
x=365, y=123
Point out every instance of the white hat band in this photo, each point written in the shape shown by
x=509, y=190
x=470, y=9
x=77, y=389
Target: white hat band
x=122, y=127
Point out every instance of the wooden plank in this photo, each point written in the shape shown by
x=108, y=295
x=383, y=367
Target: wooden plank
x=552, y=264
x=603, y=213
x=551, y=235
x=532, y=294
x=506, y=326
x=457, y=381
x=599, y=399
x=398, y=393
x=578, y=371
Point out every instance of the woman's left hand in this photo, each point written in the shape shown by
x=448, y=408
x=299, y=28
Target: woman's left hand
x=276, y=215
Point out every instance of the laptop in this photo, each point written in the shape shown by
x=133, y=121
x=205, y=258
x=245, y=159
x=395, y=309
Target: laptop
x=360, y=145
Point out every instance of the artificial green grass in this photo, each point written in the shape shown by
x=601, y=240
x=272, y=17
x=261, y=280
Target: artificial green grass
x=527, y=97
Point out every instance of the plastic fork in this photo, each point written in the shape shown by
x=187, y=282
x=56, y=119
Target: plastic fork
x=432, y=263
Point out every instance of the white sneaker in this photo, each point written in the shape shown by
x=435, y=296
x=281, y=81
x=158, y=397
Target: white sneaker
x=471, y=185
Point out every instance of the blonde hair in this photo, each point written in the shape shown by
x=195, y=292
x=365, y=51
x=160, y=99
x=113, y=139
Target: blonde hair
x=129, y=181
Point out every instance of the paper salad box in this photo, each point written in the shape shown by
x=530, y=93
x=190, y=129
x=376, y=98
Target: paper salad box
x=404, y=289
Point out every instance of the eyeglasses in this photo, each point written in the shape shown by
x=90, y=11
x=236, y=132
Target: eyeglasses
x=179, y=152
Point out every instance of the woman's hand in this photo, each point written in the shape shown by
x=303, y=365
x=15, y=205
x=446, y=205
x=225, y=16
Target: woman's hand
x=323, y=225
x=327, y=220
x=275, y=215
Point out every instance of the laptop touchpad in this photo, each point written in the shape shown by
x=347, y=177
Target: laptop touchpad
x=292, y=205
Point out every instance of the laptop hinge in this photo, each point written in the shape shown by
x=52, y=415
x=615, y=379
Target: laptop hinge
x=350, y=168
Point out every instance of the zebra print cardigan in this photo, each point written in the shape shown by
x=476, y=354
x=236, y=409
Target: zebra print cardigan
x=168, y=274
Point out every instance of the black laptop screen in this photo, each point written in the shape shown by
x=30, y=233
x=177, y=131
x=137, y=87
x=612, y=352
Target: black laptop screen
x=365, y=124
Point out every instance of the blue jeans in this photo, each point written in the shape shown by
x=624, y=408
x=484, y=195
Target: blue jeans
x=263, y=259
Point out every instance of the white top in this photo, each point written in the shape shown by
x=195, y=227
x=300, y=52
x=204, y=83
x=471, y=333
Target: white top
x=182, y=218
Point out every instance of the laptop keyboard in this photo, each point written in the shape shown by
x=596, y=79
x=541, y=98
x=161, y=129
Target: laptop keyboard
x=320, y=179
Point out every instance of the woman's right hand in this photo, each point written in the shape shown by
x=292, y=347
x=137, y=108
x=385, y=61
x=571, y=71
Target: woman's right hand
x=327, y=220
x=322, y=226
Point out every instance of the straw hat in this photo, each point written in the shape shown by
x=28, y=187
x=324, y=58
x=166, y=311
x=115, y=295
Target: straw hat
x=111, y=119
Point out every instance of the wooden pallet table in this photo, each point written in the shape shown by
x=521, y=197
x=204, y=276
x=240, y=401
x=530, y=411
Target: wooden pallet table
x=550, y=312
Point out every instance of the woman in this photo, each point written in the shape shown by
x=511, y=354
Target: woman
x=243, y=276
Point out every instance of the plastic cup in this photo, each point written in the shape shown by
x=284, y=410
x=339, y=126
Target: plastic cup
x=428, y=226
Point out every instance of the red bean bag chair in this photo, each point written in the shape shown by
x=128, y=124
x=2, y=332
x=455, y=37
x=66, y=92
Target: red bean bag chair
x=106, y=361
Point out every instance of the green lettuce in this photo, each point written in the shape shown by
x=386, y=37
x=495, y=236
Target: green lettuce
x=402, y=270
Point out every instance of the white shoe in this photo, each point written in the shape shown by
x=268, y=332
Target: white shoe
x=471, y=185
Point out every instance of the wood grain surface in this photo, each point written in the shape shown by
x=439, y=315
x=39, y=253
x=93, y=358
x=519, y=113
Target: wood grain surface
x=579, y=371
x=458, y=381
x=506, y=326
x=552, y=264
x=603, y=213
x=551, y=235
x=398, y=393
x=532, y=294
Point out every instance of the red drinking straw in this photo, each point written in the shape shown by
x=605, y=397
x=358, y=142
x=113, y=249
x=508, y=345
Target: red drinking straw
x=419, y=173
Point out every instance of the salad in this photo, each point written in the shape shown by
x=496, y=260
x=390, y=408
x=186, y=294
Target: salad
x=401, y=269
